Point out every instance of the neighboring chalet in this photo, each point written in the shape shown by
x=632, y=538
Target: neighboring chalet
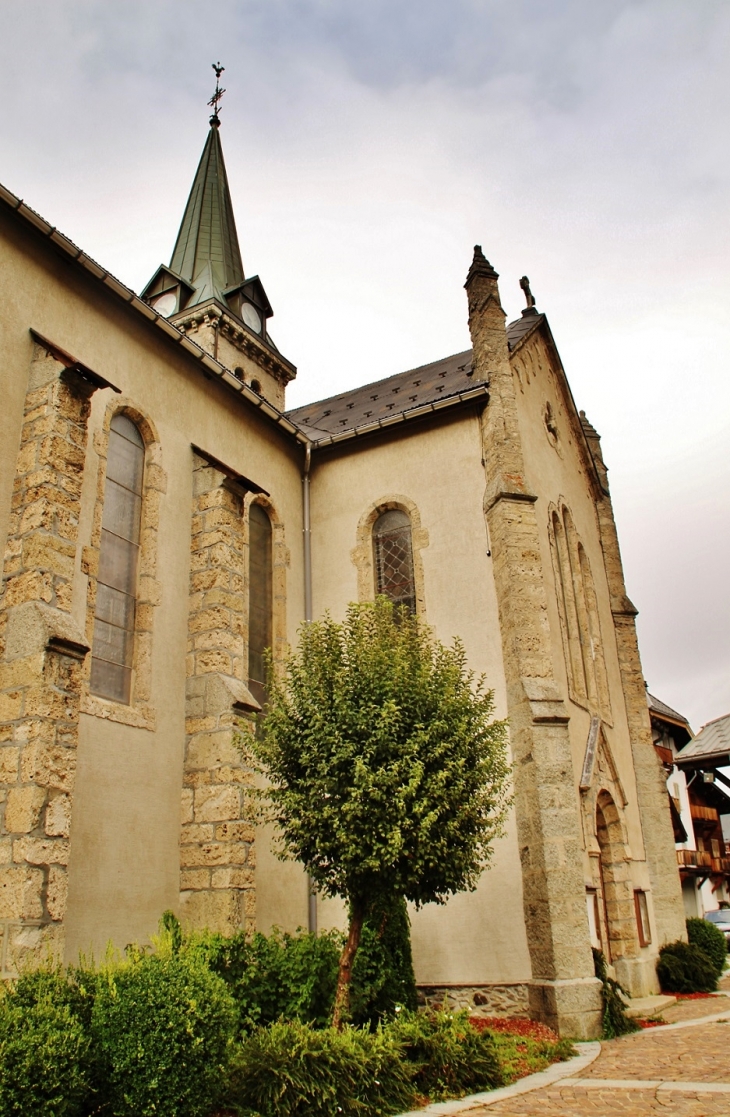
x=700, y=803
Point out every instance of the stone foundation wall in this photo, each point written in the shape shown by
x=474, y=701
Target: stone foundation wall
x=481, y=1000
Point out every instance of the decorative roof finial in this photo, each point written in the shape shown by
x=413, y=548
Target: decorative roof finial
x=529, y=297
x=215, y=100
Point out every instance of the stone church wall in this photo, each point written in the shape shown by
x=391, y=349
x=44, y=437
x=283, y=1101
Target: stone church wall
x=124, y=844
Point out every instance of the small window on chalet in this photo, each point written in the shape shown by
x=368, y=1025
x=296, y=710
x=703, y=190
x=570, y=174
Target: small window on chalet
x=393, y=558
x=260, y=600
x=116, y=591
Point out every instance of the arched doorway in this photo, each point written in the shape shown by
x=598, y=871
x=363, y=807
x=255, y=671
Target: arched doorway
x=616, y=908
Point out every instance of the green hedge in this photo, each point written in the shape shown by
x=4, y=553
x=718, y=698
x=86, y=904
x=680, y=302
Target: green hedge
x=293, y=977
x=44, y=1053
x=449, y=1057
x=290, y=1070
x=163, y=1029
x=281, y=975
x=684, y=968
x=711, y=940
x=154, y=1033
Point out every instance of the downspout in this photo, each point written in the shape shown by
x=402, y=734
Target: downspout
x=307, y=542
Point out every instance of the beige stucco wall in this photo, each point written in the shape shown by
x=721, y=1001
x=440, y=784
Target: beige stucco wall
x=477, y=937
x=124, y=859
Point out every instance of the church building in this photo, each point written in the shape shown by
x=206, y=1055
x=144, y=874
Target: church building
x=166, y=520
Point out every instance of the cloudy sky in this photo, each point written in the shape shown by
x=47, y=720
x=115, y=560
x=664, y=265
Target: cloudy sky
x=370, y=146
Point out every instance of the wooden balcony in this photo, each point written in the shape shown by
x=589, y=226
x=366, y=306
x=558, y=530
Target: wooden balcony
x=665, y=755
x=696, y=859
x=703, y=814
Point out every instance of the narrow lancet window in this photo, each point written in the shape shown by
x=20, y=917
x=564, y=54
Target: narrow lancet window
x=393, y=557
x=260, y=598
x=116, y=590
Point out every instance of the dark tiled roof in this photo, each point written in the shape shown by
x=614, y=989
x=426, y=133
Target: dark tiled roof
x=384, y=399
x=656, y=706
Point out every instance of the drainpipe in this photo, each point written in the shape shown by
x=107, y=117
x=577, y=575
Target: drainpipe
x=307, y=541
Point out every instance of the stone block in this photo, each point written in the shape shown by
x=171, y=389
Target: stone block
x=48, y=552
x=20, y=892
x=58, y=816
x=213, y=855
x=194, y=880
x=57, y=894
x=210, y=750
x=11, y=705
x=217, y=804
x=235, y=832
x=218, y=911
x=196, y=832
x=232, y=878
x=40, y=851
x=9, y=757
x=186, y=806
x=23, y=809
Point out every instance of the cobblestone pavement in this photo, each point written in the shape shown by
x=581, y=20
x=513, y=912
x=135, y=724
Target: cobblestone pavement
x=693, y=1010
x=678, y=1072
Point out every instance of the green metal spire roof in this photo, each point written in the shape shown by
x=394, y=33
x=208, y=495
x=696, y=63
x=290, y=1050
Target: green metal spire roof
x=206, y=252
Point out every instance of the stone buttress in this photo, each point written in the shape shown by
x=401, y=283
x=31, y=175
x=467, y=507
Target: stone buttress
x=41, y=658
x=563, y=991
x=651, y=790
x=217, y=884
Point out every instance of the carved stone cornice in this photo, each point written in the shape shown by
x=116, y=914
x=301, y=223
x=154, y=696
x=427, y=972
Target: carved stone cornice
x=212, y=316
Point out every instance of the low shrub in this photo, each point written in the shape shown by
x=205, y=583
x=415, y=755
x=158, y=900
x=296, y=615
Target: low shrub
x=615, y=1021
x=291, y=1070
x=280, y=977
x=162, y=1028
x=382, y=976
x=709, y=938
x=44, y=1051
x=685, y=968
x=449, y=1056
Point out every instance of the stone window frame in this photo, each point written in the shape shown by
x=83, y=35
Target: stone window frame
x=362, y=554
x=577, y=604
x=140, y=712
x=280, y=561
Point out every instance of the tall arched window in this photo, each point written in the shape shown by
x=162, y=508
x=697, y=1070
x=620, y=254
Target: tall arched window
x=578, y=610
x=116, y=590
x=393, y=558
x=260, y=601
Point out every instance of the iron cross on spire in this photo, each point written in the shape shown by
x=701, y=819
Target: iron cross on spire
x=215, y=100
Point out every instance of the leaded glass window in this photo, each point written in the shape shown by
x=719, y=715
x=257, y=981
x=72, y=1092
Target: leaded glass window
x=259, y=598
x=393, y=557
x=116, y=591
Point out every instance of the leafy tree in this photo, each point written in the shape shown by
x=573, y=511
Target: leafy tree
x=386, y=774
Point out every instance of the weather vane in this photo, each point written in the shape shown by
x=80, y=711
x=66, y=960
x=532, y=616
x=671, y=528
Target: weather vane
x=215, y=100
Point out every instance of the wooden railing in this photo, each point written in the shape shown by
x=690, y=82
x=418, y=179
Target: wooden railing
x=709, y=814
x=696, y=859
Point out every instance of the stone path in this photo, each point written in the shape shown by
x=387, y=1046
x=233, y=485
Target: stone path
x=680, y=1071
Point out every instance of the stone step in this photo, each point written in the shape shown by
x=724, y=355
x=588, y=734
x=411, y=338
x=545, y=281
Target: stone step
x=644, y=1007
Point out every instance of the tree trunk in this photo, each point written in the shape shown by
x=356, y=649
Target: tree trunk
x=347, y=958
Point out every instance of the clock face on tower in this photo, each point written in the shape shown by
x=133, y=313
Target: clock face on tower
x=251, y=317
x=166, y=304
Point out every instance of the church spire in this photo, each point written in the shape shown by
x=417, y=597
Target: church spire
x=206, y=252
